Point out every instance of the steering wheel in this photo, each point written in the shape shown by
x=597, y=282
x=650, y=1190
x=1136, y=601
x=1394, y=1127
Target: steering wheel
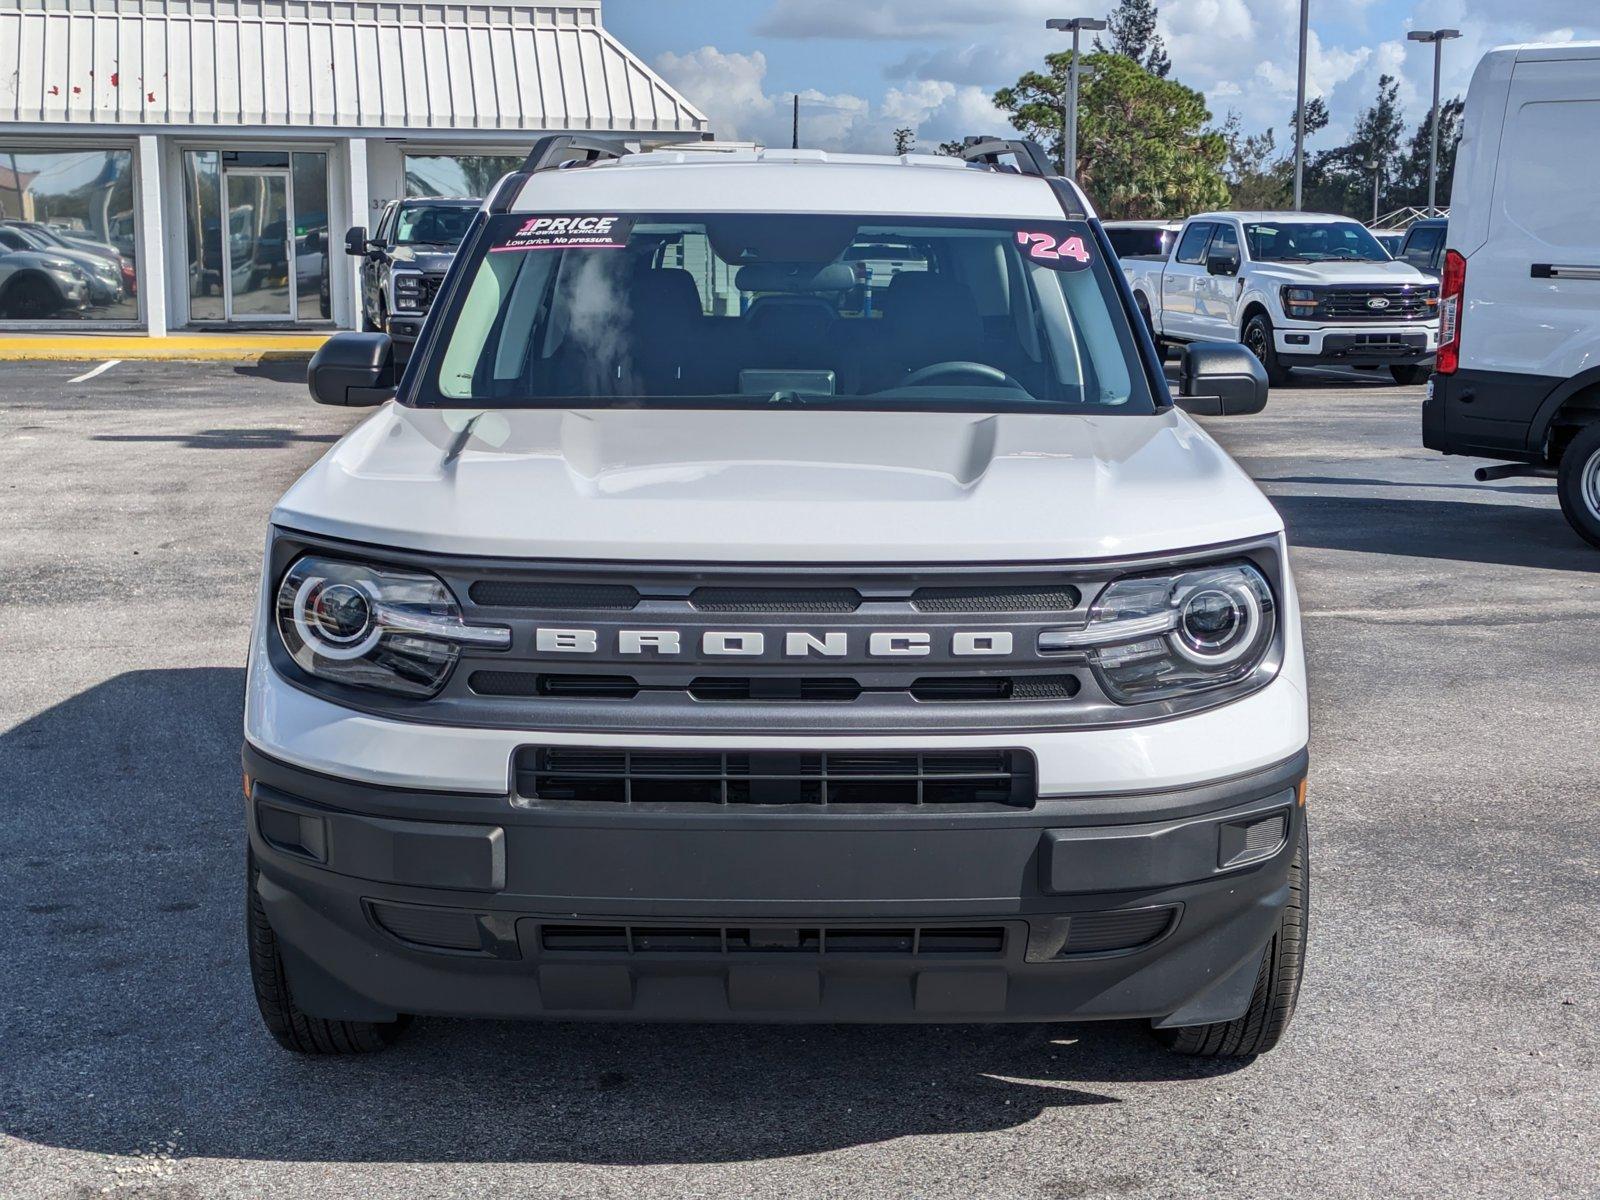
x=972, y=370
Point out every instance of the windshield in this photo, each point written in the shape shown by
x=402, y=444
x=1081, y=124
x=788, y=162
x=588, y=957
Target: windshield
x=432, y=224
x=1140, y=241
x=1307, y=241
x=749, y=310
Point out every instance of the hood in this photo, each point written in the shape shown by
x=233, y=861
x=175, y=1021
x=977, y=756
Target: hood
x=1392, y=272
x=424, y=257
x=777, y=486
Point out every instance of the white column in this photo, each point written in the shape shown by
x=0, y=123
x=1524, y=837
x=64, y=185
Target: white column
x=360, y=206
x=152, y=264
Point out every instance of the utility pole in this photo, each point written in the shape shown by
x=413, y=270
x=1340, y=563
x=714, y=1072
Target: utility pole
x=1438, y=37
x=1376, y=167
x=1069, y=110
x=796, y=144
x=1300, y=110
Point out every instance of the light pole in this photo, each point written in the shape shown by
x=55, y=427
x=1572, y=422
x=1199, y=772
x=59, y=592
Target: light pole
x=1300, y=109
x=1069, y=110
x=1376, y=167
x=1438, y=37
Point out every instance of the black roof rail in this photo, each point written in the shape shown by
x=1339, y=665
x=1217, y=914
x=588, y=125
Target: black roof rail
x=988, y=151
x=561, y=149
x=1030, y=160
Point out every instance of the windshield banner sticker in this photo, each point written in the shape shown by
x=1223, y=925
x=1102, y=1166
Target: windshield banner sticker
x=569, y=233
x=1063, y=254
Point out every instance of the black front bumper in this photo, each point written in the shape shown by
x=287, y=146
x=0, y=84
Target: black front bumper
x=1156, y=905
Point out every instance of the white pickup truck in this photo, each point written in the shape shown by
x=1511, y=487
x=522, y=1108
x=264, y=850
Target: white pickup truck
x=1299, y=289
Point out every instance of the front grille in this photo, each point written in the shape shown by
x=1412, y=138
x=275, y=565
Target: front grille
x=775, y=600
x=816, y=941
x=743, y=687
x=1400, y=304
x=985, y=778
x=806, y=689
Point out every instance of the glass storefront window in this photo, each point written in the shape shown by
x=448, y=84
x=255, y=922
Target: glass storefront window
x=240, y=270
x=471, y=175
x=67, y=235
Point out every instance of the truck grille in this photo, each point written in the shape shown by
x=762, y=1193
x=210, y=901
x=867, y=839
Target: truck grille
x=1399, y=303
x=809, y=689
x=882, y=941
x=987, y=778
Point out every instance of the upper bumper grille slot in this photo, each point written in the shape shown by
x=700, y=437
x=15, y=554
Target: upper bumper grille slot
x=769, y=777
x=995, y=599
x=529, y=593
x=775, y=600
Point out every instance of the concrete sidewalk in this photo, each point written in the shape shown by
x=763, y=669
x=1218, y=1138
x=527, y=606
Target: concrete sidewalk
x=221, y=346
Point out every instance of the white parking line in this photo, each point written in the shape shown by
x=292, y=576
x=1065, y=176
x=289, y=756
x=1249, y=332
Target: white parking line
x=100, y=370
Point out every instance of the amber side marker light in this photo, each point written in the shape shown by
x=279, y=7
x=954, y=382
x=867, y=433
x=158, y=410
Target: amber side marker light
x=248, y=781
x=1299, y=792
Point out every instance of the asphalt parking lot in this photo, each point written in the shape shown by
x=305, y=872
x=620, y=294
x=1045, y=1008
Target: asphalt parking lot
x=1448, y=1042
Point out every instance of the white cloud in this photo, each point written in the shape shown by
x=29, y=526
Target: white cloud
x=730, y=88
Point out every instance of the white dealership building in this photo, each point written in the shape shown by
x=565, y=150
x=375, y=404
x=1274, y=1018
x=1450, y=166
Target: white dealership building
x=215, y=149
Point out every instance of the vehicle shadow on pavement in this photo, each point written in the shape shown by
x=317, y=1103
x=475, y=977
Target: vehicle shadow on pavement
x=1516, y=535
x=274, y=437
x=130, y=1018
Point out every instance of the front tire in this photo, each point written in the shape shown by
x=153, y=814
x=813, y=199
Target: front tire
x=1578, y=483
x=1258, y=340
x=1410, y=374
x=294, y=1029
x=1277, y=983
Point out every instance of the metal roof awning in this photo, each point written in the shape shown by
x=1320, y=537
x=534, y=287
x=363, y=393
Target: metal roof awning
x=400, y=67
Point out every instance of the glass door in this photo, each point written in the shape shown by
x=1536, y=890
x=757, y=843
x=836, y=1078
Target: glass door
x=258, y=277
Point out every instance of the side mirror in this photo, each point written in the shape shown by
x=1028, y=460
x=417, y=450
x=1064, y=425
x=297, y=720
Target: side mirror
x=353, y=370
x=355, y=241
x=1221, y=379
x=312, y=242
x=1221, y=264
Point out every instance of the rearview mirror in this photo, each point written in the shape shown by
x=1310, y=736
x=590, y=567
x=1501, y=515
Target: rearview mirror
x=1221, y=379
x=1222, y=264
x=353, y=370
x=355, y=241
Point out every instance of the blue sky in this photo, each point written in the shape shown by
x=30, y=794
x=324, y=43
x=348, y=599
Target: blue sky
x=866, y=67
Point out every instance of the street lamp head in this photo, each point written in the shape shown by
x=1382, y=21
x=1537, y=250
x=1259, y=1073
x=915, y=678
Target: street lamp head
x=1432, y=35
x=1074, y=24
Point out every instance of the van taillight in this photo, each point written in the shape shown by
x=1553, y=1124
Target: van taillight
x=1452, y=285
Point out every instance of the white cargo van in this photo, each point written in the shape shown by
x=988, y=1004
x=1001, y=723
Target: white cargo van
x=1518, y=375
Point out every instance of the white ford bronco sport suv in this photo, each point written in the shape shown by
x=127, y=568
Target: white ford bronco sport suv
x=693, y=634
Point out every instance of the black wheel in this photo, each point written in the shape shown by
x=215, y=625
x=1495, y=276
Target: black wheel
x=1578, y=483
x=296, y=1030
x=1410, y=373
x=1258, y=339
x=30, y=299
x=1277, y=983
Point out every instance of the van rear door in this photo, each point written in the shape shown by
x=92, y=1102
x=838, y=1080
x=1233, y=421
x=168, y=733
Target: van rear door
x=1533, y=285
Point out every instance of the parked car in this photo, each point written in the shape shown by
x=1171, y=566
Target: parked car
x=104, y=277
x=37, y=286
x=1392, y=240
x=65, y=238
x=1519, y=356
x=647, y=656
x=1142, y=239
x=1424, y=245
x=403, y=264
x=1299, y=289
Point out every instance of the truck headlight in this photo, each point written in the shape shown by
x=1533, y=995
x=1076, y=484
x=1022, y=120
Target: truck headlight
x=1300, y=301
x=408, y=292
x=375, y=627
x=1153, y=637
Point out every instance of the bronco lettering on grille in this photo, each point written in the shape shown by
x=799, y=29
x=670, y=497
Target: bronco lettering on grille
x=833, y=643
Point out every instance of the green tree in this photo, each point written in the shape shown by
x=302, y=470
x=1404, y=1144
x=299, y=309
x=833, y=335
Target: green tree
x=1145, y=148
x=904, y=139
x=1339, y=180
x=1259, y=177
x=1133, y=33
x=1412, y=180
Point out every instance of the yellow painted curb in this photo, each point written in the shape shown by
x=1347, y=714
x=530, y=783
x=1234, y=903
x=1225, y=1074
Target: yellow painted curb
x=180, y=347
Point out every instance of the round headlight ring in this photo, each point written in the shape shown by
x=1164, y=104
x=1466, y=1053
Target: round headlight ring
x=322, y=612
x=1201, y=640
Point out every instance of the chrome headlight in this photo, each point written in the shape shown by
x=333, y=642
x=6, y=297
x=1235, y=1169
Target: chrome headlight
x=1154, y=637
x=375, y=627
